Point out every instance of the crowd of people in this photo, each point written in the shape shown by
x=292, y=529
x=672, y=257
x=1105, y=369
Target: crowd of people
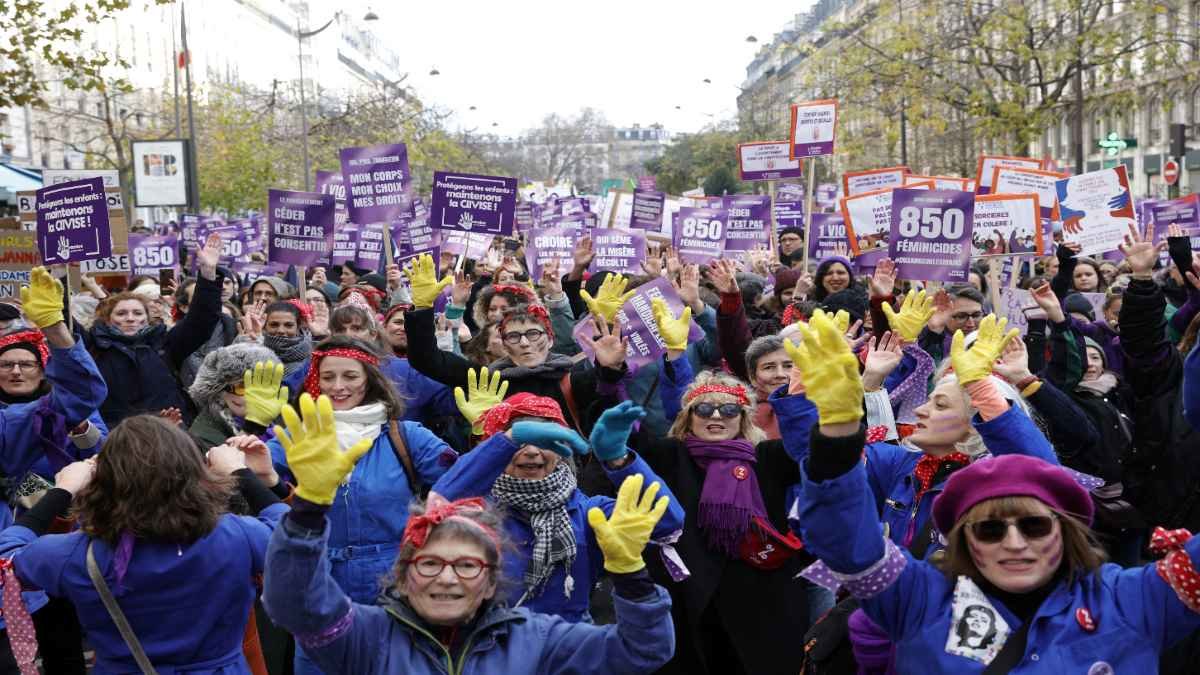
x=424, y=470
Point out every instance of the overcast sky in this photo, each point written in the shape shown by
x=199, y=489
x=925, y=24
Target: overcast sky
x=633, y=60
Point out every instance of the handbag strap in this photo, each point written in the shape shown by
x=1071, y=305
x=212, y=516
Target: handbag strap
x=401, y=450
x=118, y=617
x=568, y=393
x=1011, y=653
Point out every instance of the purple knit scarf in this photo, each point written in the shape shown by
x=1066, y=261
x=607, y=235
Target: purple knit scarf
x=730, y=497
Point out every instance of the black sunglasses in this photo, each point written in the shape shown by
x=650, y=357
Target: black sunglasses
x=994, y=530
x=727, y=410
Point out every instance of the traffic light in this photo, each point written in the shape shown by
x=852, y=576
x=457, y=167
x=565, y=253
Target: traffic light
x=1178, y=140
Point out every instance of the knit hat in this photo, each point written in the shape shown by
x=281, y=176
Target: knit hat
x=282, y=288
x=1089, y=342
x=785, y=279
x=225, y=365
x=791, y=230
x=1010, y=476
x=375, y=280
x=1076, y=303
x=852, y=299
x=751, y=286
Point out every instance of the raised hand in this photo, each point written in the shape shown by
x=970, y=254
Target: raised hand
x=942, y=308
x=172, y=415
x=883, y=280
x=481, y=395
x=723, y=274
x=257, y=457
x=265, y=394
x=582, y=256
x=914, y=313
x=461, y=291
x=611, y=296
x=883, y=355
x=42, y=299
x=674, y=331
x=1045, y=298
x=225, y=459
x=1014, y=362
x=313, y=453
x=624, y=534
x=1141, y=254
x=976, y=363
x=551, y=280
x=208, y=256
x=610, y=435
x=609, y=347
x=423, y=282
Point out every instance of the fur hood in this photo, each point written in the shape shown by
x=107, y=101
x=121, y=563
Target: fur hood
x=226, y=365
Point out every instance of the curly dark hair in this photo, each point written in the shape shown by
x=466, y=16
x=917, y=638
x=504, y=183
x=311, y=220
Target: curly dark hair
x=151, y=480
x=475, y=349
x=379, y=386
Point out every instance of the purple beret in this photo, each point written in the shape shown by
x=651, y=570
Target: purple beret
x=1010, y=476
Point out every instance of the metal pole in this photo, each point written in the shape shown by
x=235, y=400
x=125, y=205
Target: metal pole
x=303, y=106
x=193, y=174
x=175, y=70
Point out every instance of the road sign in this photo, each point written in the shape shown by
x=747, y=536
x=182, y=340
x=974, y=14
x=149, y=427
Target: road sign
x=1171, y=172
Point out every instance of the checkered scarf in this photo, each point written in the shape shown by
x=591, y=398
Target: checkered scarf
x=543, y=502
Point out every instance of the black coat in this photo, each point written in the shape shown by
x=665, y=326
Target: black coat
x=141, y=370
x=763, y=614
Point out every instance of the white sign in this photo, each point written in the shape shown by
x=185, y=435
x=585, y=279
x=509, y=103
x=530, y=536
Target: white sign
x=112, y=177
x=116, y=264
x=160, y=173
x=766, y=161
x=858, y=182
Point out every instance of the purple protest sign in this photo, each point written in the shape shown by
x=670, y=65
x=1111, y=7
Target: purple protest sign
x=636, y=318
x=470, y=244
x=648, y=183
x=370, y=246
x=814, y=126
x=333, y=183
x=700, y=234
x=647, y=210
x=620, y=251
x=828, y=236
x=525, y=216
x=767, y=160
x=72, y=222
x=150, y=253
x=827, y=195
x=546, y=245
x=749, y=222
x=789, y=192
x=299, y=226
x=789, y=214
x=471, y=203
x=412, y=236
x=345, y=244
x=931, y=234
x=1184, y=212
x=378, y=183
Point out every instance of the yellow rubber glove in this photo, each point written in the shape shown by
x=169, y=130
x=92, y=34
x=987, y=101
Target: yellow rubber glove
x=841, y=319
x=976, y=363
x=913, y=315
x=265, y=394
x=42, y=299
x=423, y=282
x=674, y=331
x=829, y=371
x=609, y=298
x=313, y=455
x=483, y=395
x=624, y=534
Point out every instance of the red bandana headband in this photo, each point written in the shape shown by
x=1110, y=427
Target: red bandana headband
x=312, y=381
x=522, y=291
x=33, y=338
x=306, y=310
x=738, y=391
x=537, y=311
x=499, y=417
x=438, y=511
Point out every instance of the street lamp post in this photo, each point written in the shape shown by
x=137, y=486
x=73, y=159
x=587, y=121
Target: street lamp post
x=301, y=35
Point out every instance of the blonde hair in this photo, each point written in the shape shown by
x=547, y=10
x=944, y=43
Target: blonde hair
x=682, y=426
x=1081, y=552
x=972, y=445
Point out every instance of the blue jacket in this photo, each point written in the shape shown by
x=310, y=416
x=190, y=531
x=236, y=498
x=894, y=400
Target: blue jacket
x=370, y=510
x=890, y=467
x=1136, y=614
x=302, y=597
x=188, y=605
x=473, y=476
x=423, y=398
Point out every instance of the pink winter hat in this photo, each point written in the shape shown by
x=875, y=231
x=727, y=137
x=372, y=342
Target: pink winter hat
x=1010, y=476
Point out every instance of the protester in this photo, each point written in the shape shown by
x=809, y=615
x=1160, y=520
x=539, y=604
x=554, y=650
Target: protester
x=237, y=391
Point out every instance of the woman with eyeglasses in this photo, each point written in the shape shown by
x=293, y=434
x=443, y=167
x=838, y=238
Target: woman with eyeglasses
x=1020, y=558
x=529, y=365
x=438, y=611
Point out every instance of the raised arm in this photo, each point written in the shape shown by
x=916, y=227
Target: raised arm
x=204, y=312
x=733, y=331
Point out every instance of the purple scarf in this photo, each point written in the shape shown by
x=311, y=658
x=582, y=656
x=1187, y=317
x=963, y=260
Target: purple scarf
x=730, y=497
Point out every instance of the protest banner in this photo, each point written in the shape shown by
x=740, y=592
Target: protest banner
x=636, y=318
x=826, y=195
x=299, y=226
x=473, y=203
x=749, y=222
x=859, y=182
x=648, y=183
x=472, y=245
x=1184, y=212
x=546, y=245
x=828, y=236
x=646, y=212
x=1018, y=306
x=1096, y=209
x=617, y=212
x=1007, y=224
x=620, y=251
x=699, y=235
x=813, y=129
x=413, y=236
x=1013, y=180
x=766, y=160
x=111, y=177
x=333, y=183
x=18, y=255
x=72, y=222
x=789, y=214
x=345, y=244
x=986, y=166
x=930, y=234
x=378, y=183
x=369, y=253
x=151, y=253
x=526, y=216
x=939, y=182
x=868, y=220
x=790, y=192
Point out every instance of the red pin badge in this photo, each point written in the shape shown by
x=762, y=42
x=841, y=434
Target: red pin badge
x=740, y=472
x=1084, y=617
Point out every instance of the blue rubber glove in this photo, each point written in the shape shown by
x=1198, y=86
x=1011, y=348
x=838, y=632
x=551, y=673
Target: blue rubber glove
x=549, y=436
x=610, y=436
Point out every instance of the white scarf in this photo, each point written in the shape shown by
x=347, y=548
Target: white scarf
x=362, y=422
